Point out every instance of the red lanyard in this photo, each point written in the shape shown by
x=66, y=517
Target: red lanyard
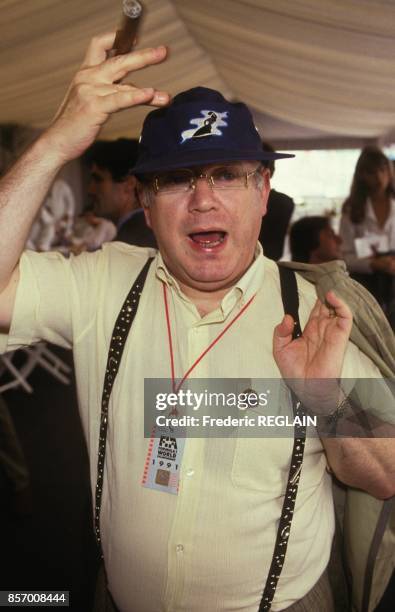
x=210, y=346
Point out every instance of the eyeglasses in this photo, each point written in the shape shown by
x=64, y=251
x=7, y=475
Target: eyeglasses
x=183, y=180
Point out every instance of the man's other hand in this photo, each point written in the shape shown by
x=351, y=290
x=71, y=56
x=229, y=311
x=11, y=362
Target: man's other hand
x=319, y=352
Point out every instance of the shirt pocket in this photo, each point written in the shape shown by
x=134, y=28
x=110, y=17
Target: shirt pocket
x=263, y=464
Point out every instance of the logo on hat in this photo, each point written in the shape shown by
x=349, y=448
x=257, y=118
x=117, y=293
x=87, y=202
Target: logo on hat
x=205, y=126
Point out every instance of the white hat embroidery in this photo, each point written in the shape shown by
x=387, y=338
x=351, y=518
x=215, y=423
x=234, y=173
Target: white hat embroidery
x=205, y=126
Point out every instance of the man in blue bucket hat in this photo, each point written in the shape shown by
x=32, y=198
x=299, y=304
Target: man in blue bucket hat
x=203, y=523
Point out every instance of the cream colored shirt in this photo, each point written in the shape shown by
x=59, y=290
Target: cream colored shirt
x=209, y=547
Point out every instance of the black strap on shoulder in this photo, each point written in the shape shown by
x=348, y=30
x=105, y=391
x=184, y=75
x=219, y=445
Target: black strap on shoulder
x=289, y=294
x=117, y=344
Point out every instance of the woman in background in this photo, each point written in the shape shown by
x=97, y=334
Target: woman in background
x=367, y=226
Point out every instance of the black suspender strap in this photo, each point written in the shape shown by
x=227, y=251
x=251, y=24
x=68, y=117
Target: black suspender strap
x=290, y=299
x=289, y=294
x=117, y=344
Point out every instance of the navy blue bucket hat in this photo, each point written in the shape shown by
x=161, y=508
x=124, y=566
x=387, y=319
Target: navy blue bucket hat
x=199, y=127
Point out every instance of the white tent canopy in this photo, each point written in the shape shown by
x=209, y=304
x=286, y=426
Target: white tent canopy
x=307, y=68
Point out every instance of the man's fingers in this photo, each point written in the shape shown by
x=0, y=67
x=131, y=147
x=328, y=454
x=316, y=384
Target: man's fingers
x=124, y=98
x=118, y=67
x=343, y=314
x=107, y=98
x=95, y=93
x=341, y=309
x=286, y=326
x=283, y=333
x=315, y=311
x=324, y=310
x=159, y=98
x=97, y=50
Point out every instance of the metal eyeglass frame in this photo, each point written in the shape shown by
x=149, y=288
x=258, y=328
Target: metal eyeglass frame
x=203, y=175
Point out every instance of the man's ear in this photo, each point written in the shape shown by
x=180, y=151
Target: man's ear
x=143, y=199
x=130, y=184
x=265, y=191
x=147, y=215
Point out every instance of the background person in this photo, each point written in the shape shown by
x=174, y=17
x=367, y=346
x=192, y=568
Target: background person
x=275, y=223
x=367, y=227
x=112, y=188
x=313, y=240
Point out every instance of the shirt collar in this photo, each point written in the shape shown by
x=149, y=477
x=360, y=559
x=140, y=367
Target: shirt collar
x=128, y=216
x=369, y=210
x=371, y=215
x=241, y=292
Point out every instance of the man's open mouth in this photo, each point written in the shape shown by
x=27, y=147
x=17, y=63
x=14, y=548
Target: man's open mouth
x=208, y=240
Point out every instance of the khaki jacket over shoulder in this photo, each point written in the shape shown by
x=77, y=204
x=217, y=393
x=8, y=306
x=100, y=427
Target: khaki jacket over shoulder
x=360, y=512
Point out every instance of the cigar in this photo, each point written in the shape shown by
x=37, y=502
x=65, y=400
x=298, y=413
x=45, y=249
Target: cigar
x=126, y=35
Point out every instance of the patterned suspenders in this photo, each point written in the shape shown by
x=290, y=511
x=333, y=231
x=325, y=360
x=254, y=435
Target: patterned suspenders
x=289, y=294
x=118, y=340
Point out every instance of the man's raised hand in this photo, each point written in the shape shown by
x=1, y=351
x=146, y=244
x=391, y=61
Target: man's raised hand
x=312, y=363
x=319, y=352
x=94, y=95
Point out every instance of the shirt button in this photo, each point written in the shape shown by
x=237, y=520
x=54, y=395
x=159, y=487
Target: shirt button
x=190, y=472
x=179, y=548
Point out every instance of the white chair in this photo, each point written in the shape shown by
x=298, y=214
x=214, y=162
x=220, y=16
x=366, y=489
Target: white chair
x=38, y=354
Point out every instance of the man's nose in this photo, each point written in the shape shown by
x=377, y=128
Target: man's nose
x=203, y=196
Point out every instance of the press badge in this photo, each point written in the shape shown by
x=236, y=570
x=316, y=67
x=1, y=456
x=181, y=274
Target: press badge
x=163, y=463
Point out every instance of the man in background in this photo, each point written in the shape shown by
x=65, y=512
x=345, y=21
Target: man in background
x=312, y=240
x=113, y=189
x=276, y=221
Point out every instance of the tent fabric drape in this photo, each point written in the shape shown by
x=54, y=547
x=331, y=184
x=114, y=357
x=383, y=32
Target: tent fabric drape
x=324, y=65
